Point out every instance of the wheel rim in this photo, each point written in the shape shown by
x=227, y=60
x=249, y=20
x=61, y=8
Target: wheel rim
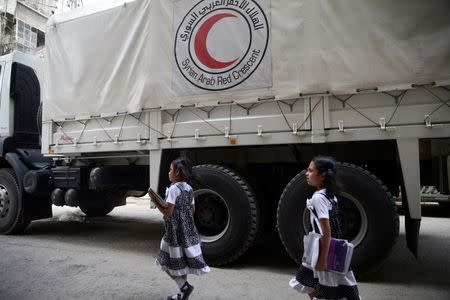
x=4, y=201
x=212, y=215
x=353, y=216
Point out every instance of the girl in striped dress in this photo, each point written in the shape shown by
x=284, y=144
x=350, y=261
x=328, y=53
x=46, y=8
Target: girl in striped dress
x=180, y=253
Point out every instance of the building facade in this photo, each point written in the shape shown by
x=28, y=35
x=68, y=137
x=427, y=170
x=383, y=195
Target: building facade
x=23, y=24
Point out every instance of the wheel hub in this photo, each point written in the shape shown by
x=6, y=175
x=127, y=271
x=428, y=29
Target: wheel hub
x=212, y=217
x=4, y=201
x=206, y=215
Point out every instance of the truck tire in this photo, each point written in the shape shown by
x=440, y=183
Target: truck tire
x=225, y=214
x=13, y=218
x=99, y=204
x=368, y=213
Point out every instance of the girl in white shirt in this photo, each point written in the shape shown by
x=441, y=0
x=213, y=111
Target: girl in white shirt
x=318, y=282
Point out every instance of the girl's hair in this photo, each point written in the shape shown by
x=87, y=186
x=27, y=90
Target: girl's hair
x=183, y=165
x=327, y=165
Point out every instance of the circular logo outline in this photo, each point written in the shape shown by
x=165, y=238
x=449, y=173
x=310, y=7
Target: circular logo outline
x=266, y=42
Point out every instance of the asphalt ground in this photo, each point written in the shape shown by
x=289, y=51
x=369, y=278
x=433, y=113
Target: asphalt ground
x=73, y=257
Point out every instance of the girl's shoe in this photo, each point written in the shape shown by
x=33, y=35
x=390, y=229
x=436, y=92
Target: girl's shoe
x=174, y=297
x=186, y=290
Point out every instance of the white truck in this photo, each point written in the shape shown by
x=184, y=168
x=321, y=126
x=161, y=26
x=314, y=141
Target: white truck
x=249, y=91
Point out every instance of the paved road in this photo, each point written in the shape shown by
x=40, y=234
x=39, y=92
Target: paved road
x=72, y=257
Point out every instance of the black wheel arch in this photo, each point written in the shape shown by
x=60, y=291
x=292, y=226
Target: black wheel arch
x=6, y=145
x=20, y=169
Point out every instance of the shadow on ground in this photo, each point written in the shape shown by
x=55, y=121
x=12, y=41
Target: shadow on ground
x=141, y=235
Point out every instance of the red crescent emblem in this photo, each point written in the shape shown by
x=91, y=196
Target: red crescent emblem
x=200, y=43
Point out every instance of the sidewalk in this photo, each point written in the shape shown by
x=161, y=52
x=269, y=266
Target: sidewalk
x=145, y=200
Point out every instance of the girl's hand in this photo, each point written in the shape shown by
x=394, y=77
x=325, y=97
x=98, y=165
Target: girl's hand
x=321, y=265
x=324, y=245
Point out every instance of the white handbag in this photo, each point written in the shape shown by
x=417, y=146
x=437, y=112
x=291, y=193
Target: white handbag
x=311, y=248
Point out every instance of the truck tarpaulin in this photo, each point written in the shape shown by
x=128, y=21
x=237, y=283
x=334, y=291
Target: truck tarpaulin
x=125, y=56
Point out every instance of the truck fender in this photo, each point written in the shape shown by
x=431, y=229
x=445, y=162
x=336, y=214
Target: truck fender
x=18, y=166
x=6, y=145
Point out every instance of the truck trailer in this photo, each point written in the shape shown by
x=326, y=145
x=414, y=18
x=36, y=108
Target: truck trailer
x=249, y=91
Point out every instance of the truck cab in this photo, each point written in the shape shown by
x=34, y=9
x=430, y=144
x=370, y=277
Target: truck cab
x=31, y=182
x=20, y=129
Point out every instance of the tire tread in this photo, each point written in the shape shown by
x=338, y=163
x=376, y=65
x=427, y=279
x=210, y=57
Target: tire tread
x=20, y=222
x=351, y=166
x=253, y=211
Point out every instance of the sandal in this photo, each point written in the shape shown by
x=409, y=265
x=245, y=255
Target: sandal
x=186, y=289
x=174, y=297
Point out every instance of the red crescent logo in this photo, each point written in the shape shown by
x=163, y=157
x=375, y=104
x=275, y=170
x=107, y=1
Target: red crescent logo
x=200, y=43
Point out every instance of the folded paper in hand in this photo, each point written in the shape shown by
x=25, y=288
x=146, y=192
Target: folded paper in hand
x=157, y=198
x=339, y=254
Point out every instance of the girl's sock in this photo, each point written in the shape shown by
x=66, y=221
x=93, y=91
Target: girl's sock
x=180, y=281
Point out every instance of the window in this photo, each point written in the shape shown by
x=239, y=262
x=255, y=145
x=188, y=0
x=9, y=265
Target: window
x=26, y=35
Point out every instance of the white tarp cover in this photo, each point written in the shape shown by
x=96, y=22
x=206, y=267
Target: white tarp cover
x=122, y=56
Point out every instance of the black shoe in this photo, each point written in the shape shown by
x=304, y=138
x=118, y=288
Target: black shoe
x=174, y=297
x=186, y=290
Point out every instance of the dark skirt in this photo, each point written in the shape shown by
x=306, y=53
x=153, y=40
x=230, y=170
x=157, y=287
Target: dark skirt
x=325, y=285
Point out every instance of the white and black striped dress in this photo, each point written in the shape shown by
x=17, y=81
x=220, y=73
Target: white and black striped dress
x=325, y=285
x=180, y=253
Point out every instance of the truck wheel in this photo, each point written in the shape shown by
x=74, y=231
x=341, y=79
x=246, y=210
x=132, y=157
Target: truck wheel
x=368, y=213
x=225, y=214
x=12, y=215
x=99, y=204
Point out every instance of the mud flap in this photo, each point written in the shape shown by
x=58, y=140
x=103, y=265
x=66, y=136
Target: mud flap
x=412, y=226
x=408, y=151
